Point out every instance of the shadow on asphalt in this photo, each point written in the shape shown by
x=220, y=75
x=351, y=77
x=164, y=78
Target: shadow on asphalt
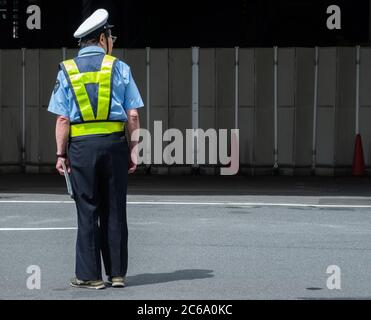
x=153, y=278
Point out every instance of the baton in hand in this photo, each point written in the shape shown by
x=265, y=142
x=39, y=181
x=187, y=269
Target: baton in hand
x=67, y=177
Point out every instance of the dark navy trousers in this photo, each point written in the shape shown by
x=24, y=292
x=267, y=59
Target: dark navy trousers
x=99, y=172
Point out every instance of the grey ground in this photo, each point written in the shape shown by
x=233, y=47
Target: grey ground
x=199, y=251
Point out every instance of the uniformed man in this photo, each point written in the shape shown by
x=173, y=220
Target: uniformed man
x=95, y=98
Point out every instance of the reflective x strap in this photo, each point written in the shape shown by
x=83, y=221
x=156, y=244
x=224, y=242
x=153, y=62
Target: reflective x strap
x=78, y=82
x=104, y=95
x=91, y=128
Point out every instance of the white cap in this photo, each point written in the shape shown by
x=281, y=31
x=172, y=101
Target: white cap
x=96, y=21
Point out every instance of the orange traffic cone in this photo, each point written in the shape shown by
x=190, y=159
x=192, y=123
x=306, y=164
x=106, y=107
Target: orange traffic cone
x=358, y=160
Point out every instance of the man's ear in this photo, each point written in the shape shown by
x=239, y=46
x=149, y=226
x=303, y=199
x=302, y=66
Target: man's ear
x=101, y=38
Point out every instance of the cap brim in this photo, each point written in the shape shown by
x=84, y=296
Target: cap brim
x=97, y=32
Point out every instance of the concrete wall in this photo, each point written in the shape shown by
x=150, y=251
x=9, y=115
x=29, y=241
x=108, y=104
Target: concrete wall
x=171, y=102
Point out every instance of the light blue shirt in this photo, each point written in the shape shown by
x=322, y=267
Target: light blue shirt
x=125, y=94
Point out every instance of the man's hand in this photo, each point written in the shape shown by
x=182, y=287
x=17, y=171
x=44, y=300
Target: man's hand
x=133, y=160
x=59, y=166
x=133, y=127
x=132, y=167
x=62, y=129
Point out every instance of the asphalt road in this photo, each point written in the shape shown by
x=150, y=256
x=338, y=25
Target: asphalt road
x=236, y=245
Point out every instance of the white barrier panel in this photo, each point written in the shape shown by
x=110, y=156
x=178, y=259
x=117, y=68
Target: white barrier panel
x=345, y=108
x=159, y=83
x=180, y=91
x=365, y=103
x=33, y=106
x=264, y=120
x=304, y=96
x=10, y=106
x=169, y=73
x=225, y=61
x=286, y=107
x=207, y=91
x=246, y=112
x=327, y=81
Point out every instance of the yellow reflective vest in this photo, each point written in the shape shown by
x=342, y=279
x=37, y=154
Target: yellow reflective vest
x=92, y=124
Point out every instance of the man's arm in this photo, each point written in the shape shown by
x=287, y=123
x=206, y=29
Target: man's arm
x=62, y=130
x=133, y=126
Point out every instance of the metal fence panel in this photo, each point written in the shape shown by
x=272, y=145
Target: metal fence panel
x=327, y=85
x=365, y=103
x=286, y=106
x=171, y=101
x=246, y=98
x=225, y=87
x=264, y=126
x=304, y=100
x=11, y=101
x=180, y=92
x=207, y=89
x=345, y=107
x=33, y=105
